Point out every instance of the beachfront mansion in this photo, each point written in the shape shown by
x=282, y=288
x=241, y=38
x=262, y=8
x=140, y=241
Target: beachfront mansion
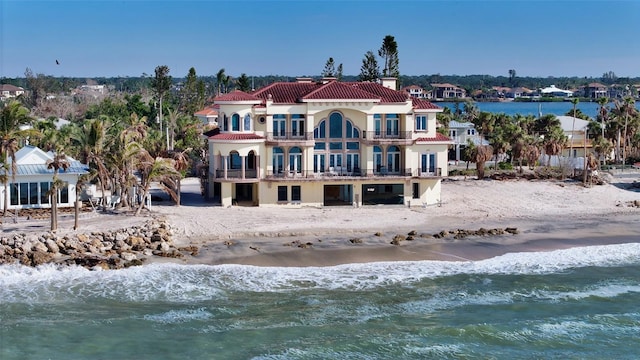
x=324, y=143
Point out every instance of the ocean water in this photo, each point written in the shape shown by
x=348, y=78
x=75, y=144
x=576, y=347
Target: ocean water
x=580, y=303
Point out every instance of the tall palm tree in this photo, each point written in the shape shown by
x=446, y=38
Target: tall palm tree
x=575, y=102
x=220, y=79
x=90, y=140
x=58, y=162
x=629, y=110
x=13, y=115
x=603, y=112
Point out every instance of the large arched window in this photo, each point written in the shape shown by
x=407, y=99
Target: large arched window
x=337, y=144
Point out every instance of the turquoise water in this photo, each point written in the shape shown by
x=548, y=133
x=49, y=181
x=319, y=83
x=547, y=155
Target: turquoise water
x=580, y=303
x=533, y=108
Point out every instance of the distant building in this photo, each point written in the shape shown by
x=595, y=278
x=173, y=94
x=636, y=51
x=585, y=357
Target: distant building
x=595, y=91
x=553, y=91
x=460, y=132
x=417, y=92
x=518, y=92
x=447, y=91
x=33, y=180
x=209, y=115
x=10, y=91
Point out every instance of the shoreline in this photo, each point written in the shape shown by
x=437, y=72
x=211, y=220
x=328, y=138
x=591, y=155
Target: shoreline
x=548, y=215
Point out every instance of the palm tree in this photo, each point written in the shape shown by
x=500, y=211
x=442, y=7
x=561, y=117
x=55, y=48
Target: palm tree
x=629, y=110
x=482, y=154
x=12, y=116
x=220, y=79
x=151, y=170
x=58, y=162
x=554, y=141
x=603, y=113
x=575, y=102
x=90, y=140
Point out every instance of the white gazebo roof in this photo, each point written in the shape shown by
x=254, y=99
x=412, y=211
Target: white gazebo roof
x=553, y=89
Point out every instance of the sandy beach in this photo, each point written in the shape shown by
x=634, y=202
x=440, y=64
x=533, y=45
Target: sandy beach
x=547, y=214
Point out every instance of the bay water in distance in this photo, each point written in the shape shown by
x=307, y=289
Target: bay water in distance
x=557, y=108
x=579, y=303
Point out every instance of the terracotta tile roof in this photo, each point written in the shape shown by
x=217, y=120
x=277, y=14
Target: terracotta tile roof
x=424, y=104
x=209, y=110
x=387, y=95
x=296, y=92
x=341, y=91
x=236, y=95
x=236, y=136
x=286, y=93
x=439, y=137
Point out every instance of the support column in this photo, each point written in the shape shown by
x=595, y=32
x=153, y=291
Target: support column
x=243, y=160
x=225, y=160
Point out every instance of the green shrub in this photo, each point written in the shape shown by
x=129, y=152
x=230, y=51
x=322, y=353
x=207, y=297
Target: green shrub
x=505, y=166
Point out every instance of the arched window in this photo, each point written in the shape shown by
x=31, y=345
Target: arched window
x=278, y=160
x=251, y=161
x=377, y=158
x=235, y=161
x=235, y=122
x=295, y=159
x=247, y=123
x=393, y=159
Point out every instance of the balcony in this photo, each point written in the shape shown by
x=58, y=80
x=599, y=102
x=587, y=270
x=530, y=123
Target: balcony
x=236, y=174
x=343, y=173
x=289, y=138
x=388, y=137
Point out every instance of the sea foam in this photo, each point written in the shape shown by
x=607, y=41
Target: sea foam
x=188, y=283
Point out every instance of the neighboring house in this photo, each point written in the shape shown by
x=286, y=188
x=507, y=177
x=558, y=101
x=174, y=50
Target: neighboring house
x=326, y=143
x=595, y=91
x=447, y=91
x=10, y=91
x=209, y=115
x=416, y=92
x=33, y=180
x=553, y=91
x=575, y=146
x=460, y=132
x=518, y=92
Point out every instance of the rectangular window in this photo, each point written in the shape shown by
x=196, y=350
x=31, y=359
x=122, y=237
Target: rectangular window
x=279, y=125
x=33, y=193
x=282, y=193
x=297, y=125
x=44, y=189
x=64, y=195
x=393, y=124
x=471, y=131
x=295, y=193
x=421, y=123
x=24, y=193
x=14, y=193
x=416, y=191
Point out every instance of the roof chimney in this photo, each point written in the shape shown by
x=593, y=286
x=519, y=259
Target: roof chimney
x=304, y=80
x=389, y=82
x=328, y=79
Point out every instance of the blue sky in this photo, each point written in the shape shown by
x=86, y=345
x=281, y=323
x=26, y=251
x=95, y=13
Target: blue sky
x=295, y=38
